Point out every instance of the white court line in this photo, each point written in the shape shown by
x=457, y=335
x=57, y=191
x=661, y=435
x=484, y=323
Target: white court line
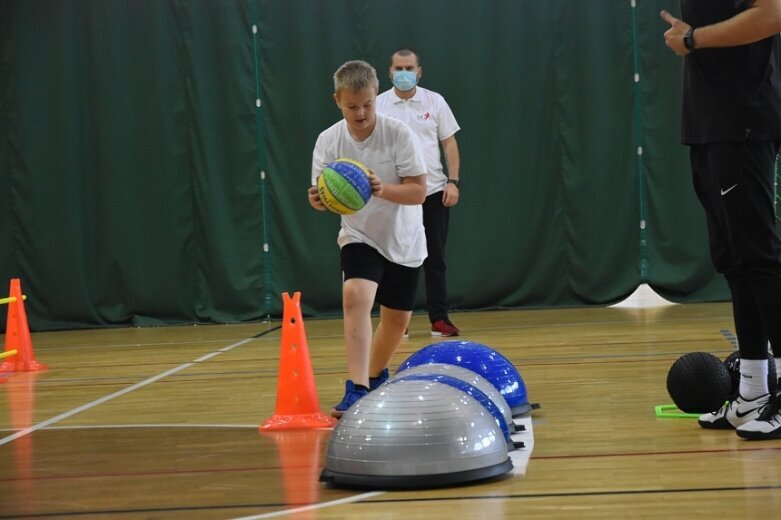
x=341, y=501
x=521, y=456
x=71, y=413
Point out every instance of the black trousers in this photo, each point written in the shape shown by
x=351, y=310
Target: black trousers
x=435, y=219
x=734, y=182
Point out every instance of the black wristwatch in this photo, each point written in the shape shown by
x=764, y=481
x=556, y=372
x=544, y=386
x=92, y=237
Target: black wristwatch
x=457, y=182
x=688, y=40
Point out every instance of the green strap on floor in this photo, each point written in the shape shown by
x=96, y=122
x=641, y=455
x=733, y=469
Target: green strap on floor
x=663, y=411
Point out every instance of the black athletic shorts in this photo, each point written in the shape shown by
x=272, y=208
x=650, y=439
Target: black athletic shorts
x=734, y=182
x=396, y=284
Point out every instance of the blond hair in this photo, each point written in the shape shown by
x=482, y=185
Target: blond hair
x=355, y=75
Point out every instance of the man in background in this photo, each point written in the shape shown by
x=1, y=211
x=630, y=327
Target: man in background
x=431, y=119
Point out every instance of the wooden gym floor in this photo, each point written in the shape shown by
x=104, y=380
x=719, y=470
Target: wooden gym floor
x=163, y=423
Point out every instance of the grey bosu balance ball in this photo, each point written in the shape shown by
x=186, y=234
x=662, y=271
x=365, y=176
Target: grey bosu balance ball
x=415, y=434
x=474, y=383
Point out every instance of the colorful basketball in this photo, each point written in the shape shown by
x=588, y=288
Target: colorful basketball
x=344, y=186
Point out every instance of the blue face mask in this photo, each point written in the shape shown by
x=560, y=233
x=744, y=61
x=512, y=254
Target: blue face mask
x=404, y=80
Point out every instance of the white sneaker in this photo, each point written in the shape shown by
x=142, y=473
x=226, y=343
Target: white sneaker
x=734, y=413
x=767, y=425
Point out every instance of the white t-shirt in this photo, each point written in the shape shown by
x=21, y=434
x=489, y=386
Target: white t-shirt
x=430, y=117
x=391, y=152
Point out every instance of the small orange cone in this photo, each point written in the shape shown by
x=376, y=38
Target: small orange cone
x=297, y=404
x=17, y=336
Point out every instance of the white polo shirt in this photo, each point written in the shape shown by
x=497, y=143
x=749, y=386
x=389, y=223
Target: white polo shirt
x=430, y=117
x=391, y=152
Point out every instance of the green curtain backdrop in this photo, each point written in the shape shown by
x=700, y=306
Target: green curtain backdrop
x=155, y=154
x=129, y=162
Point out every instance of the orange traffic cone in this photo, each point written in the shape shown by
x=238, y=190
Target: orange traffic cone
x=17, y=336
x=297, y=404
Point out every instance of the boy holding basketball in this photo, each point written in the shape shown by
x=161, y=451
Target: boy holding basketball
x=383, y=245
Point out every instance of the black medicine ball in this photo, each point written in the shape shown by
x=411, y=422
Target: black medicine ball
x=699, y=382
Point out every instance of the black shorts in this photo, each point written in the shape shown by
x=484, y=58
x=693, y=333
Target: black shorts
x=734, y=182
x=396, y=284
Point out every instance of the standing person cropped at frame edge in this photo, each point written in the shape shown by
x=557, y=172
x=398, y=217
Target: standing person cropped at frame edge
x=731, y=121
x=429, y=116
x=383, y=245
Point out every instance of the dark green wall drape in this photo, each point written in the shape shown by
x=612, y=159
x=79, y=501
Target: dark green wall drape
x=133, y=135
x=129, y=162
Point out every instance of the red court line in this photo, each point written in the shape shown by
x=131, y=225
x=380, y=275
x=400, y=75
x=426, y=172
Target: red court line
x=654, y=453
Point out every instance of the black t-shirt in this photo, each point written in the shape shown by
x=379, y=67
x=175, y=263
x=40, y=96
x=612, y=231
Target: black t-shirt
x=731, y=93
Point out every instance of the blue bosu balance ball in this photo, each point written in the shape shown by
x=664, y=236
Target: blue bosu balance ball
x=483, y=360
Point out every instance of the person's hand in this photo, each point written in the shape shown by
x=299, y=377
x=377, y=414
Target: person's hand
x=450, y=195
x=314, y=199
x=673, y=36
x=377, y=185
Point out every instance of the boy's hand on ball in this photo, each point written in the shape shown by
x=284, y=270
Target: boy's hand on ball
x=376, y=184
x=314, y=199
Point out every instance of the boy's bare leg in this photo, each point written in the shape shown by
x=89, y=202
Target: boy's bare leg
x=389, y=332
x=357, y=301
